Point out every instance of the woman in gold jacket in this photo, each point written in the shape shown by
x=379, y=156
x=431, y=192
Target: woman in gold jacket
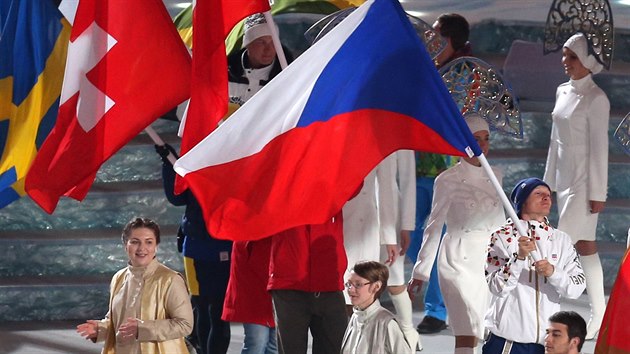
x=149, y=305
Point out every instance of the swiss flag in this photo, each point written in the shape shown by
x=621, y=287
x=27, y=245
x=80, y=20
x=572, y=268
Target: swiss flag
x=212, y=22
x=126, y=66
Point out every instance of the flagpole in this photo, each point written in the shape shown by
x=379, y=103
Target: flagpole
x=158, y=141
x=506, y=202
x=276, y=39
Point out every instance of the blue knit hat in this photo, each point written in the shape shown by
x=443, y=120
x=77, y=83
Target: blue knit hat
x=522, y=190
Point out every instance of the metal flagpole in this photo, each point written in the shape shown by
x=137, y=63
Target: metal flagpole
x=506, y=203
x=276, y=39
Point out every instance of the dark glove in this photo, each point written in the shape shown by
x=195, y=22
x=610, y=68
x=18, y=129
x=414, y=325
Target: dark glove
x=164, y=150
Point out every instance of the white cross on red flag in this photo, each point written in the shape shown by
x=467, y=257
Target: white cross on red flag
x=126, y=67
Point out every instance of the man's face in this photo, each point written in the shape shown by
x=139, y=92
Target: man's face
x=261, y=52
x=557, y=340
x=538, y=202
x=448, y=51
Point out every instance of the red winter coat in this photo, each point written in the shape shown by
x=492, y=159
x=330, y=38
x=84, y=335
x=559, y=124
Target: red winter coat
x=247, y=299
x=309, y=258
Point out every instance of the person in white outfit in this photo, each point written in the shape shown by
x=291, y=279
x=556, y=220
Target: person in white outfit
x=372, y=328
x=464, y=200
x=526, y=292
x=377, y=223
x=577, y=164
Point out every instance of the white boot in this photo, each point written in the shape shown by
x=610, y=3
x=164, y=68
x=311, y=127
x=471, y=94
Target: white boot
x=595, y=289
x=404, y=312
x=465, y=350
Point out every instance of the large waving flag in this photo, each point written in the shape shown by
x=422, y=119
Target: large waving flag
x=614, y=334
x=123, y=71
x=299, y=149
x=212, y=20
x=33, y=43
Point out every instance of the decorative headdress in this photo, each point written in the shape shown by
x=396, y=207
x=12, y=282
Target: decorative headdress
x=432, y=40
x=476, y=87
x=593, y=18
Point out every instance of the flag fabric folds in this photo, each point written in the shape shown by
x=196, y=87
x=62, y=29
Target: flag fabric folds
x=212, y=20
x=614, y=334
x=33, y=46
x=300, y=148
x=123, y=71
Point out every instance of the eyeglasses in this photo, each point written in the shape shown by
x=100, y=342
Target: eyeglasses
x=357, y=286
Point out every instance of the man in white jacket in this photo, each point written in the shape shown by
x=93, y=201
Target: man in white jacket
x=525, y=293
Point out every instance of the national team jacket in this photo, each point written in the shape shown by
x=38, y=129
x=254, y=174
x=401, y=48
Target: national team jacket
x=522, y=300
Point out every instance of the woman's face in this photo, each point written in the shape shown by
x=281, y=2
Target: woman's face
x=572, y=65
x=483, y=139
x=141, y=247
x=361, y=291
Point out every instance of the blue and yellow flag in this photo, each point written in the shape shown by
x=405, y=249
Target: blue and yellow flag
x=33, y=45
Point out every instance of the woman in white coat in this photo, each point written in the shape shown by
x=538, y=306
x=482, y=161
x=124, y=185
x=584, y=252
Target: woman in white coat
x=577, y=163
x=464, y=200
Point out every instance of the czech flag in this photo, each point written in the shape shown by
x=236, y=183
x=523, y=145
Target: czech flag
x=300, y=148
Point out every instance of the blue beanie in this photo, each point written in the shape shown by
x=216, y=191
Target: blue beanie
x=522, y=190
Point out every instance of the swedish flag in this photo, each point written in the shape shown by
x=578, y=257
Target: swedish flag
x=33, y=45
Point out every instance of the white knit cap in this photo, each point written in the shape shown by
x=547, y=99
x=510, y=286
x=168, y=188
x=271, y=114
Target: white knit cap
x=476, y=123
x=255, y=27
x=579, y=45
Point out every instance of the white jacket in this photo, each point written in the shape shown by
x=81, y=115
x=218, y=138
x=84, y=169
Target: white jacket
x=372, y=217
x=522, y=301
x=374, y=330
x=578, y=150
x=577, y=162
x=466, y=202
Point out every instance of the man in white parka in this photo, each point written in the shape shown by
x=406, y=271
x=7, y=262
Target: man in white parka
x=577, y=164
x=526, y=292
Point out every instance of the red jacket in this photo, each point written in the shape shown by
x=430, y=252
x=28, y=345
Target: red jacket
x=247, y=299
x=309, y=258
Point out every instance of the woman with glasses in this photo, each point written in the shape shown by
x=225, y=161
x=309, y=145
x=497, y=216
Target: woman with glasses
x=372, y=328
x=149, y=306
